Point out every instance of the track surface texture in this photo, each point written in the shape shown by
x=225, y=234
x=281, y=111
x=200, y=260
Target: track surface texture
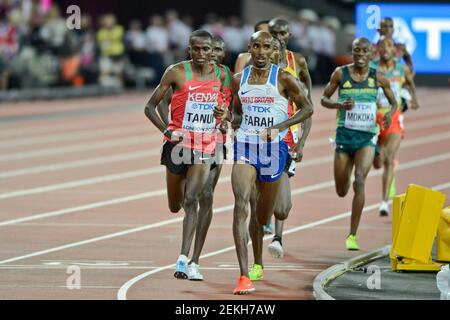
x=81, y=188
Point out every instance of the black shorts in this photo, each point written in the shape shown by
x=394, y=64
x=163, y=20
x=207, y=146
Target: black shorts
x=178, y=159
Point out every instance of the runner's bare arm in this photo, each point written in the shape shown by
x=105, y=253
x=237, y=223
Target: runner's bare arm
x=163, y=107
x=293, y=91
x=304, y=72
x=411, y=88
x=385, y=85
x=235, y=115
x=330, y=89
x=236, y=102
x=406, y=57
x=167, y=81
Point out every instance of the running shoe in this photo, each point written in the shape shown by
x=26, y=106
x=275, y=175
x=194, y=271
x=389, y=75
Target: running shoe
x=276, y=249
x=194, y=273
x=384, y=209
x=268, y=228
x=256, y=273
x=181, y=268
x=351, y=243
x=244, y=286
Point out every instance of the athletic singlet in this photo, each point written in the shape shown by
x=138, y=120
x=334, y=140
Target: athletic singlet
x=228, y=94
x=226, y=97
x=192, y=110
x=396, y=78
x=363, y=116
x=262, y=106
x=292, y=135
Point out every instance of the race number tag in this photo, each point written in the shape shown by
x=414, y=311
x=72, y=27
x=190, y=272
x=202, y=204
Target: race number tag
x=362, y=117
x=198, y=116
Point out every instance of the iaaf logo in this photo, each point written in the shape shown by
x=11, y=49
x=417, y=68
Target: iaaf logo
x=404, y=33
x=258, y=109
x=203, y=97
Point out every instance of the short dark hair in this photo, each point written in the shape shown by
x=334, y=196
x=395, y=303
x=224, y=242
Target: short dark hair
x=218, y=39
x=259, y=33
x=278, y=22
x=362, y=40
x=200, y=34
x=260, y=23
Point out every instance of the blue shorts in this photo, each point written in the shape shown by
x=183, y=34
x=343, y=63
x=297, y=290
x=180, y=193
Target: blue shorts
x=269, y=159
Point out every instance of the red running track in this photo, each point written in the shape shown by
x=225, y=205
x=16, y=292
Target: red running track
x=81, y=185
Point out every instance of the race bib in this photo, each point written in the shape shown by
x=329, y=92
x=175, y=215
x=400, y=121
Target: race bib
x=384, y=102
x=362, y=117
x=256, y=118
x=198, y=116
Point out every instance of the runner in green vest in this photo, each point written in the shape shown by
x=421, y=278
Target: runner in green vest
x=357, y=130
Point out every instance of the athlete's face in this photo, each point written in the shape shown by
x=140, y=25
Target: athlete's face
x=218, y=52
x=386, y=48
x=280, y=31
x=275, y=57
x=361, y=52
x=261, y=48
x=200, y=50
x=386, y=28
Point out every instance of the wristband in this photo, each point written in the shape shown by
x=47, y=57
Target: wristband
x=165, y=131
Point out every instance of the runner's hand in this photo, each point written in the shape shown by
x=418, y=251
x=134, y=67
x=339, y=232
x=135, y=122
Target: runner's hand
x=347, y=104
x=221, y=113
x=298, y=152
x=223, y=127
x=414, y=104
x=266, y=135
x=176, y=136
x=387, y=119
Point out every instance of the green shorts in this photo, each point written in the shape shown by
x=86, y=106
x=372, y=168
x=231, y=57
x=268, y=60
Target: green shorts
x=349, y=141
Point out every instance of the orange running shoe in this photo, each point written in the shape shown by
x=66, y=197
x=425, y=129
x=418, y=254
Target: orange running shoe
x=245, y=286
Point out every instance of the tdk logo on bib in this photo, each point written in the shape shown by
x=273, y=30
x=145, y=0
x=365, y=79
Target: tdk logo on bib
x=203, y=106
x=423, y=29
x=258, y=109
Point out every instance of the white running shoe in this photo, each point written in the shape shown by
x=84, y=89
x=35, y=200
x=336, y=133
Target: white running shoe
x=193, y=272
x=276, y=250
x=384, y=209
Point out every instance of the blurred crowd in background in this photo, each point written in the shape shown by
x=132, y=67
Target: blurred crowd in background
x=37, y=49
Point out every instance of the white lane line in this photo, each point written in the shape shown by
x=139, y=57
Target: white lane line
x=48, y=128
x=162, y=192
x=216, y=211
x=83, y=182
x=81, y=163
x=144, y=154
x=118, y=142
x=71, y=136
x=136, y=173
x=108, y=236
x=122, y=293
